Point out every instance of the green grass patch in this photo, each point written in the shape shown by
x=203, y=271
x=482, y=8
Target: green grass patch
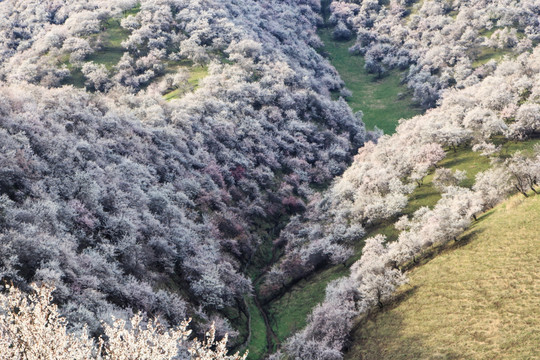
x=424, y=195
x=258, y=345
x=477, y=300
x=111, y=51
x=289, y=313
x=77, y=78
x=382, y=100
x=486, y=54
x=196, y=73
x=510, y=147
x=132, y=11
x=109, y=54
x=488, y=32
x=466, y=160
x=112, y=36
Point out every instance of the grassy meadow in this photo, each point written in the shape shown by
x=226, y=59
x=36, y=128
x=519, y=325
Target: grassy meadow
x=112, y=51
x=478, y=299
x=383, y=100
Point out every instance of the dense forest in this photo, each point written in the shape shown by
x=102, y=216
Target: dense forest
x=175, y=164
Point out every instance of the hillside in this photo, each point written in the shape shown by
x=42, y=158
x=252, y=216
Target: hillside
x=290, y=311
x=220, y=164
x=477, y=299
x=361, y=204
x=148, y=146
x=383, y=100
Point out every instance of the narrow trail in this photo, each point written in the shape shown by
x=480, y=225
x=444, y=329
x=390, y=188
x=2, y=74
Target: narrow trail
x=247, y=312
x=271, y=337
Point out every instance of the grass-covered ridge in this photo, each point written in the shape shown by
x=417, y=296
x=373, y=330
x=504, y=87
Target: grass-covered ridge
x=477, y=300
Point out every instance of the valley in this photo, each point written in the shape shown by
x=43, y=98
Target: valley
x=261, y=180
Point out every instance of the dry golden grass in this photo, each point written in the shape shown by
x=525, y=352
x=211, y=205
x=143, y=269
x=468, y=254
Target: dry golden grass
x=480, y=299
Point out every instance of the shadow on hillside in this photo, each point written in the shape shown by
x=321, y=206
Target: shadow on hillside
x=456, y=161
x=400, y=297
x=370, y=344
x=355, y=348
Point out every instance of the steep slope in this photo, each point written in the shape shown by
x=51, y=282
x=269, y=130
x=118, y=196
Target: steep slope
x=478, y=299
x=130, y=202
x=481, y=116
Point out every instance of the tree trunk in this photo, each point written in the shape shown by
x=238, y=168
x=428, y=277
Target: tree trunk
x=520, y=189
